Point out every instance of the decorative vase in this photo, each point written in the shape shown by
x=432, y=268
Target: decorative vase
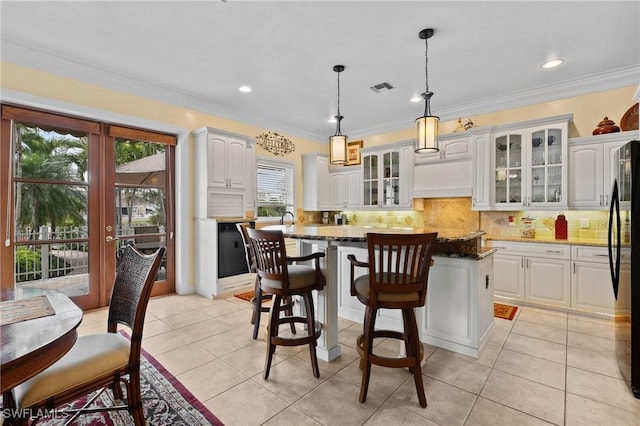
x=606, y=126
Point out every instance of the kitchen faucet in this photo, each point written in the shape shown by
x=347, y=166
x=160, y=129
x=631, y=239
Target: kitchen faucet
x=284, y=214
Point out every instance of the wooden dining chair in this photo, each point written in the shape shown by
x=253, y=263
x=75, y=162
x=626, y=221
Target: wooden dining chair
x=100, y=361
x=258, y=295
x=397, y=279
x=283, y=280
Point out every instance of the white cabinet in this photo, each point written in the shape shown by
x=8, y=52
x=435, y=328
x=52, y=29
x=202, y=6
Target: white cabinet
x=530, y=166
x=459, y=308
x=226, y=156
x=345, y=189
x=224, y=174
x=591, y=287
x=446, y=173
x=592, y=169
x=534, y=272
x=459, y=311
x=386, y=176
x=481, y=183
x=250, y=178
x=315, y=177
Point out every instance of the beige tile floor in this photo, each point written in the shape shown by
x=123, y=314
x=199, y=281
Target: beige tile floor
x=544, y=367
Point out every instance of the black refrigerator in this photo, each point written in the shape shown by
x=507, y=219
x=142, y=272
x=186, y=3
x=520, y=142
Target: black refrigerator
x=626, y=188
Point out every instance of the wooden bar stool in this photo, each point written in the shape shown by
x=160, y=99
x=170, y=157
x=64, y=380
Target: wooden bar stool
x=284, y=281
x=397, y=279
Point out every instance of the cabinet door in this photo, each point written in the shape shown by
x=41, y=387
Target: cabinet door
x=610, y=171
x=586, y=176
x=250, y=178
x=480, y=192
x=508, y=180
x=353, y=189
x=591, y=287
x=390, y=178
x=406, y=175
x=349, y=307
x=370, y=180
x=548, y=167
x=337, y=185
x=236, y=152
x=508, y=275
x=547, y=281
x=217, y=162
x=323, y=190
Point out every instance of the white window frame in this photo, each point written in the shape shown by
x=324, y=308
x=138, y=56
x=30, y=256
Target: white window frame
x=291, y=168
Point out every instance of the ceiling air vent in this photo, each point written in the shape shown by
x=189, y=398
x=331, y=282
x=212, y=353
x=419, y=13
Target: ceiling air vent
x=381, y=86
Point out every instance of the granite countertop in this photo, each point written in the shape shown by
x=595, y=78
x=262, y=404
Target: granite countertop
x=349, y=233
x=597, y=242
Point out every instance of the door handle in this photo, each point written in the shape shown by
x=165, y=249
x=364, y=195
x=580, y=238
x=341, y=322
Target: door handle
x=109, y=238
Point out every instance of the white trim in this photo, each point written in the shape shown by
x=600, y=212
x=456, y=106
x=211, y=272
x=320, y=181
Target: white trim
x=185, y=281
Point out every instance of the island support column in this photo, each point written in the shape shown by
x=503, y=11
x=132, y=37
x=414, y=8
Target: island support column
x=328, y=348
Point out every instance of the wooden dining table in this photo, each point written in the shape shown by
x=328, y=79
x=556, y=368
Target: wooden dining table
x=29, y=346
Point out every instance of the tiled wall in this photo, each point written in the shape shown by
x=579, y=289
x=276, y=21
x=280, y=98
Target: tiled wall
x=581, y=224
x=456, y=213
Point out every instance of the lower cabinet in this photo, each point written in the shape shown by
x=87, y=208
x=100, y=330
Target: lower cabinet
x=459, y=309
x=535, y=272
x=591, y=287
x=571, y=276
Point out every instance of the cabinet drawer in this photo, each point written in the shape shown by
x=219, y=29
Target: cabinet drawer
x=555, y=251
x=597, y=254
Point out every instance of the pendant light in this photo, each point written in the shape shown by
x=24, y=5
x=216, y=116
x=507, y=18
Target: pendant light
x=427, y=125
x=338, y=142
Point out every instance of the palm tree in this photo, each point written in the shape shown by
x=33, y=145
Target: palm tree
x=41, y=159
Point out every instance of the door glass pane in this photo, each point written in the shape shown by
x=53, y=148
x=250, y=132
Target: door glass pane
x=51, y=209
x=141, y=196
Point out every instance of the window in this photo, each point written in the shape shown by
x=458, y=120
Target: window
x=275, y=188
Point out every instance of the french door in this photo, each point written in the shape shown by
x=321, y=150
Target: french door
x=72, y=195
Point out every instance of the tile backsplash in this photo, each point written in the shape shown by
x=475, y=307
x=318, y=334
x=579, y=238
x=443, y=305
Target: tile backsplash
x=581, y=224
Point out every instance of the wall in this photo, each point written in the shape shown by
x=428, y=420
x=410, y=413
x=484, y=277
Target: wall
x=588, y=111
x=75, y=97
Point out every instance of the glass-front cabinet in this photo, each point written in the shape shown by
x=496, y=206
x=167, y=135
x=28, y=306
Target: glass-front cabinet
x=531, y=167
x=370, y=179
x=386, y=177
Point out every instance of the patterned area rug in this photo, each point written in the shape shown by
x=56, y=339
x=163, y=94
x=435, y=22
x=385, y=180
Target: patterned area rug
x=166, y=402
x=504, y=311
x=249, y=295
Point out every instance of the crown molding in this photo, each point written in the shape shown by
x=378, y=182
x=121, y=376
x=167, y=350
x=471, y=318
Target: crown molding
x=74, y=68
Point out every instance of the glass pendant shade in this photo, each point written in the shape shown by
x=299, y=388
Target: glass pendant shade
x=338, y=149
x=427, y=134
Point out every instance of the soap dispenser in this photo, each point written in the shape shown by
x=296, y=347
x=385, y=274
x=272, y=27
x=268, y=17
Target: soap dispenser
x=561, y=227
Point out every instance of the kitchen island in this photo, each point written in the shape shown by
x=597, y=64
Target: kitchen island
x=459, y=310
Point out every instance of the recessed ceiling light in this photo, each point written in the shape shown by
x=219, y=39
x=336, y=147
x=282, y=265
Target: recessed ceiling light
x=416, y=99
x=244, y=89
x=552, y=63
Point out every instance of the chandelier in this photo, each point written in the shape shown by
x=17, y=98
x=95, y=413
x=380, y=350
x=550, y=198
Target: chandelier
x=275, y=143
x=427, y=125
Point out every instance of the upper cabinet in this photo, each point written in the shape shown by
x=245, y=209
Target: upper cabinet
x=315, y=177
x=224, y=155
x=345, y=189
x=386, y=176
x=593, y=166
x=529, y=166
x=225, y=173
x=446, y=173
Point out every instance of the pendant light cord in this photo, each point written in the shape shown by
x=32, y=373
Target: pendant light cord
x=427, y=94
x=338, y=117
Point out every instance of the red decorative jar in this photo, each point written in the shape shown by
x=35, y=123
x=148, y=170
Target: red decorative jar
x=606, y=126
x=561, y=227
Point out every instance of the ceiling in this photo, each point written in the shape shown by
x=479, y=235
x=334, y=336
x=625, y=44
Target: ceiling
x=485, y=56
